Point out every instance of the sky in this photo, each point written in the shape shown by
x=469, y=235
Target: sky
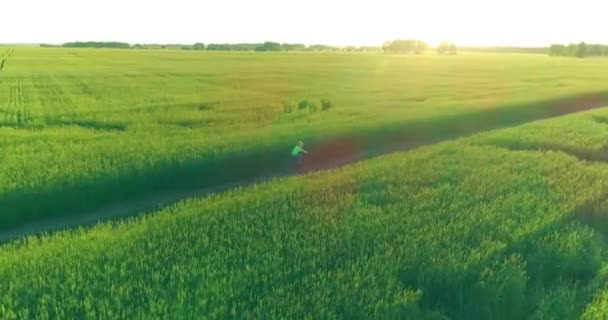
x=333, y=22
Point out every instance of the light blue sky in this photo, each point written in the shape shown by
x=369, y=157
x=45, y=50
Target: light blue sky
x=355, y=22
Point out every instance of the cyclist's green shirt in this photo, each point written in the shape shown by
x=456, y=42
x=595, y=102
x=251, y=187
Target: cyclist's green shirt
x=296, y=151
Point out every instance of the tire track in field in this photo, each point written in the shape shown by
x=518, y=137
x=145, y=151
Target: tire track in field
x=18, y=111
x=332, y=154
x=53, y=99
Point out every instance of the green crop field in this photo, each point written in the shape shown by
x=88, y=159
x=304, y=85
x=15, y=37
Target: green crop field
x=508, y=224
x=81, y=129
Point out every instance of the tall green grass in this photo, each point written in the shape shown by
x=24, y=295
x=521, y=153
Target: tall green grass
x=470, y=229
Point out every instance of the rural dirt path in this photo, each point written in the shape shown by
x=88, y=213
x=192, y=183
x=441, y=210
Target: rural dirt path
x=332, y=154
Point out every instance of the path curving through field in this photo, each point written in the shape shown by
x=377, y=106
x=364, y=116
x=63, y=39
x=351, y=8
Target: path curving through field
x=333, y=154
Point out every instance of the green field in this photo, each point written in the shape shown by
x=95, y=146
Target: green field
x=82, y=129
x=509, y=224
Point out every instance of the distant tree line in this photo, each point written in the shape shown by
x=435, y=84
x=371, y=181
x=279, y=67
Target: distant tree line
x=397, y=46
x=579, y=50
x=322, y=47
x=447, y=48
x=231, y=46
x=414, y=46
x=272, y=46
x=266, y=46
x=275, y=46
x=534, y=50
x=96, y=44
x=157, y=46
x=405, y=46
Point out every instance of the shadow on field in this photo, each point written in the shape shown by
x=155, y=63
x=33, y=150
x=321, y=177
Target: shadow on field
x=368, y=143
x=595, y=215
x=87, y=124
x=505, y=285
x=129, y=191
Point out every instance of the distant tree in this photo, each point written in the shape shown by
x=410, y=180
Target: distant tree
x=198, y=46
x=321, y=47
x=293, y=47
x=405, y=46
x=558, y=50
x=217, y=47
x=420, y=47
x=594, y=50
x=452, y=49
x=442, y=48
x=95, y=44
x=398, y=46
x=369, y=49
x=572, y=50
x=447, y=48
x=244, y=46
x=232, y=46
x=581, y=50
x=269, y=46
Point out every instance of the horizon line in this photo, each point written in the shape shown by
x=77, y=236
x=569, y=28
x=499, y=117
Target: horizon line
x=280, y=42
